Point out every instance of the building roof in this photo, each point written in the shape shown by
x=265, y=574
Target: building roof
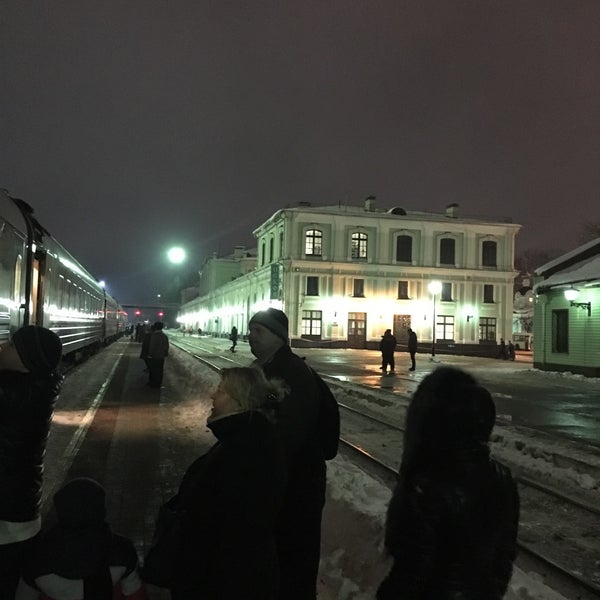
x=581, y=265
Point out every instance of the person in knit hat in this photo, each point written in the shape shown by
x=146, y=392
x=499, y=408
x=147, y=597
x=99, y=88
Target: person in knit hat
x=29, y=386
x=80, y=557
x=299, y=529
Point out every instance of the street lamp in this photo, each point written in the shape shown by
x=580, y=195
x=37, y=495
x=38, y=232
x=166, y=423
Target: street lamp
x=176, y=255
x=435, y=287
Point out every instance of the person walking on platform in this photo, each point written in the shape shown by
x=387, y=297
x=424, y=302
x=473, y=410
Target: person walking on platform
x=29, y=386
x=233, y=336
x=81, y=557
x=453, y=518
x=230, y=497
x=145, y=346
x=158, y=350
x=299, y=529
x=387, y=345
x=412, y=347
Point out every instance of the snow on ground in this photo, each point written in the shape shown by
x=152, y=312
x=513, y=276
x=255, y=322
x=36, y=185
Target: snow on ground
x=353, y=560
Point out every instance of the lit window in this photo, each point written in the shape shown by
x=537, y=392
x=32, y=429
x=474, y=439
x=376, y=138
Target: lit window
x=311, y=322
x=313, y=242
x=359, y=246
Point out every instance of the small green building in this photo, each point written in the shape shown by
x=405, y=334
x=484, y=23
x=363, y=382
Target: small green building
x=566, y=324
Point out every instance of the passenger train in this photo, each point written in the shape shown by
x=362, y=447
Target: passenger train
x=42, y=284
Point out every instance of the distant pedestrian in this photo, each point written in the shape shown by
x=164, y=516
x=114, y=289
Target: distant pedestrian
x=29, y=386
x=158, y=350
x=81, y=557
x=412, y=347
x=502, y=352
x=387, y=345
x=453, y=518
x=229, y=499
x=145, y=346
x=233, y=336
x=511, y=350
x=299, y=423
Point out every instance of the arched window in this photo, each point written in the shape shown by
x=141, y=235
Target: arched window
x=447, y=251
x=313, y=242
x=271, y=247
x=404, y=248
x=489, y=251
x=359, y=245
x=263, y=253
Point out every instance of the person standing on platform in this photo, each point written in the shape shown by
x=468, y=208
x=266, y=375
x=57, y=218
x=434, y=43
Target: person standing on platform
x=412, y=347
x=29, y=386
x=145, y=345
x=453, y=518
x=387, y=345
x=158, y=350
x=299, y=529
x=233, y=336
x=81, y=557
x=230, y=497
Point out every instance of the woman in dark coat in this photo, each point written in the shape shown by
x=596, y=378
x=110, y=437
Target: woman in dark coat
x=232, y=496
x=453, y=518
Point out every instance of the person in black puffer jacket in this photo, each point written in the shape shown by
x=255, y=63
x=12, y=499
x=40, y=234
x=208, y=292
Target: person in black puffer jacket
x=453, y=519
x=231, y=497
x=29, y=386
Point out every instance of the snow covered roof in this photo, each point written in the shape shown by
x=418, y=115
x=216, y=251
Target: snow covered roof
x=581, y=266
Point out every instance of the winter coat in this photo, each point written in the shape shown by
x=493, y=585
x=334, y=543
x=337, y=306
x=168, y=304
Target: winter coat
x=26, y=407
x=452, y=531
x=412, y=342
x=387, y=345
x=158, y=346
x=298, y=415
x=232, y=496
x=67, y=561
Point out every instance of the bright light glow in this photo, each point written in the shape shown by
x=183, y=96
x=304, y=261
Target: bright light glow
x=434, y=287
x=102, y=283
x=176, y=255
x=571, y=294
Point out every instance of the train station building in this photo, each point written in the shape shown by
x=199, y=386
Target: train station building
x=344, y=274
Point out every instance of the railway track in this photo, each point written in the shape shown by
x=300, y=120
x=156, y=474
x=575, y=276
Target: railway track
x=544, y=543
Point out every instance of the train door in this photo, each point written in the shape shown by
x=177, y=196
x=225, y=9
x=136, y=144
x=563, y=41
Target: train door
x=357, y=330
x=401, y=325
x=37, y=290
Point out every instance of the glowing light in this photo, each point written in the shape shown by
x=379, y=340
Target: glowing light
x=176, y=255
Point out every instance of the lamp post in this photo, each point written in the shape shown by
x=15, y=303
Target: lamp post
x=435, y=287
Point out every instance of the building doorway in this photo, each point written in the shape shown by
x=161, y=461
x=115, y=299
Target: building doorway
x=357, y=330
x=401, y=325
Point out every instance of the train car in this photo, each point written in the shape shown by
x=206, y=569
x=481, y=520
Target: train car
x=42, y=284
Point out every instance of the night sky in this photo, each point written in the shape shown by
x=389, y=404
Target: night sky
x=133, y=125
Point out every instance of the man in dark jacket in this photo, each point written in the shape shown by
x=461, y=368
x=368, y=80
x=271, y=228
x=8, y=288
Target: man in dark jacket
x=412, y=347
x=158, y=350
x=29, y=385
x=387, y=345
x=299, y=530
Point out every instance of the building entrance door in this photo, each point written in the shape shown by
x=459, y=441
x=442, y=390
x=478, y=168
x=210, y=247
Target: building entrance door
x=357, y=330
x=401, y=325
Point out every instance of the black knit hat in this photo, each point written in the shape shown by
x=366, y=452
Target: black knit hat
x=274, y=320
x=39, y=349
x=80, y=503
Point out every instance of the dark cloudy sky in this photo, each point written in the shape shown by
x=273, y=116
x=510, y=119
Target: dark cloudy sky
x=132, y=125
